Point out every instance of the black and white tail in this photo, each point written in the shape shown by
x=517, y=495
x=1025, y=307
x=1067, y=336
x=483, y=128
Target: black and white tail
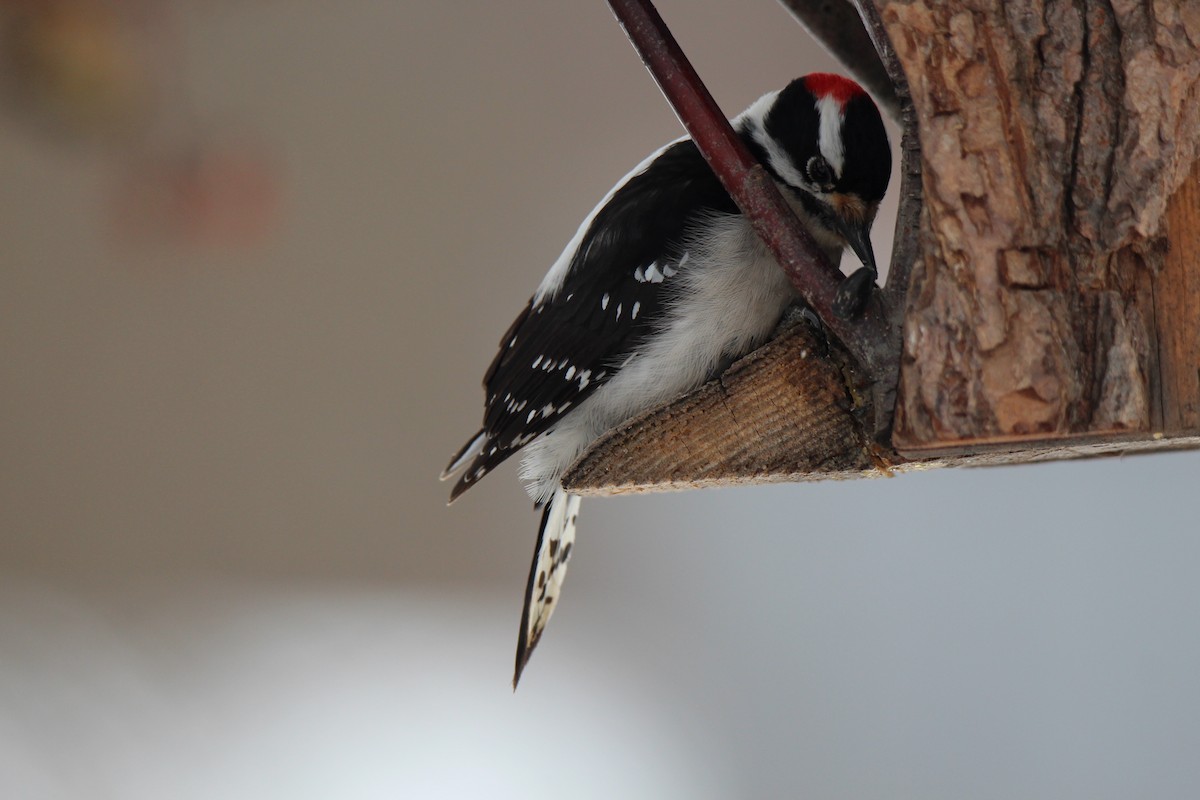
x=556, y=539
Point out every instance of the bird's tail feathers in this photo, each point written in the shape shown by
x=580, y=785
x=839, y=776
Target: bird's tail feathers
x=556, y=540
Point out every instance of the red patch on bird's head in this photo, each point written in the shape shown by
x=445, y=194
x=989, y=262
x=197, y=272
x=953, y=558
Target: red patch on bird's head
x=827, y=84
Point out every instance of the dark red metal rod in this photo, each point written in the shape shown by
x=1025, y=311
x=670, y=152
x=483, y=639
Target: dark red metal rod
x=747, y=182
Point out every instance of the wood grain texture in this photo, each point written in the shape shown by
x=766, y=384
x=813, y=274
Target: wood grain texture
x=1177, y=312
x=1052, y=134
x=786, y=412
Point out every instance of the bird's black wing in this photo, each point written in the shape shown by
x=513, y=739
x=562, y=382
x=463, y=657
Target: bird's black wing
x=561, y=349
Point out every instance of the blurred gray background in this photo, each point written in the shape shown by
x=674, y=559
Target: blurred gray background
x=226, y=565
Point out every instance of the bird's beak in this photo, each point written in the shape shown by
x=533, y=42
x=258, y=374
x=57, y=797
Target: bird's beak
x=858, y=235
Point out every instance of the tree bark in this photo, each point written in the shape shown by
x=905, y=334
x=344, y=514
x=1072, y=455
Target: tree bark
x=1053, y=136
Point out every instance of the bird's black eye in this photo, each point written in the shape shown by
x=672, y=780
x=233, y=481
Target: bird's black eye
x=819, y=172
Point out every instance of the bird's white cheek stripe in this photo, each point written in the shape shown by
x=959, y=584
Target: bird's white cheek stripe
x=780, y=162
x=829, y=136
x=754, y=117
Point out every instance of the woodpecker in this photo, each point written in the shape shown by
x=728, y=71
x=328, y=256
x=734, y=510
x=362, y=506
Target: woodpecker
x=663, y=285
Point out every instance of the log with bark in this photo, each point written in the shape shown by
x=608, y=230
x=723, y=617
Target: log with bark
x=1046, y=274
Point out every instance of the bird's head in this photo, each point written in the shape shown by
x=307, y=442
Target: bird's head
x=824, y=139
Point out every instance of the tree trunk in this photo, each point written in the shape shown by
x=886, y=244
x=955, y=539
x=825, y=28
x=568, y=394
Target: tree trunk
x=1043, y=304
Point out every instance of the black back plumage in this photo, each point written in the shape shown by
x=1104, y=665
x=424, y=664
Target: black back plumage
x=560, y=350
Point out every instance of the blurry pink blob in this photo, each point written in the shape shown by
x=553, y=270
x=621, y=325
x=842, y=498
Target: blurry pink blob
x=222, y=197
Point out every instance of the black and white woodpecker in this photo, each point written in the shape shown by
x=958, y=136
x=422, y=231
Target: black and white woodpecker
x=663, y=284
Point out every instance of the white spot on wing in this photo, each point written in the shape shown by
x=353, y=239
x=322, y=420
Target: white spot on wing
x=636, y=307
x=604, y=302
